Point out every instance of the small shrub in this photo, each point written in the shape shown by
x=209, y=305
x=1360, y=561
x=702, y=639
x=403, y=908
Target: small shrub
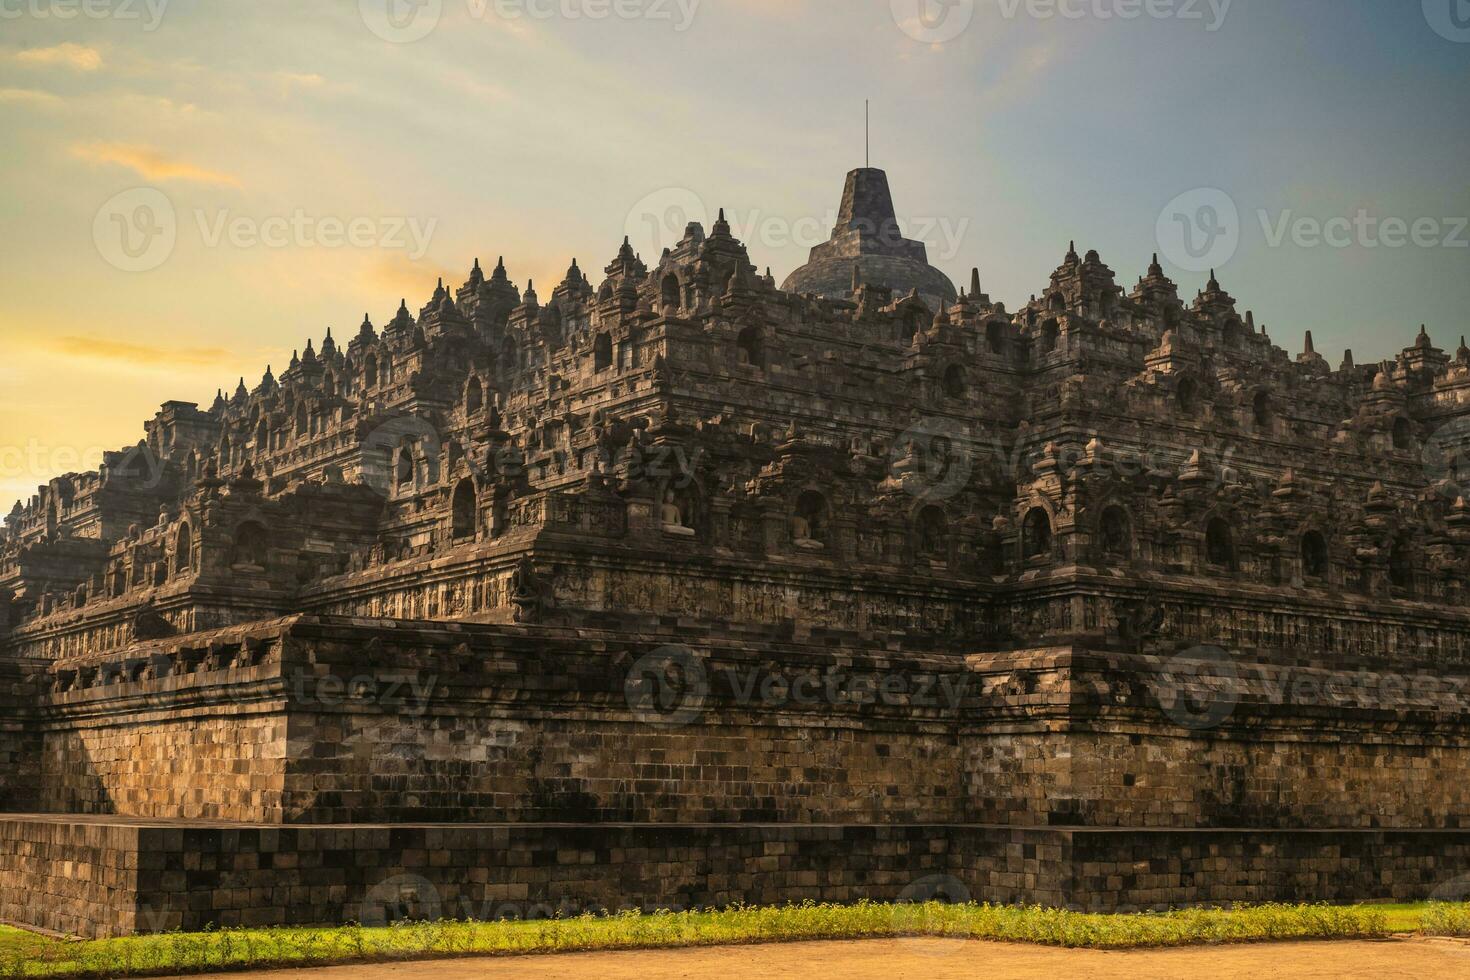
x=282, y=945
x=1446, y=919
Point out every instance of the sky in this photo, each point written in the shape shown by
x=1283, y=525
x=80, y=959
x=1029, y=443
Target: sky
x=190, y=190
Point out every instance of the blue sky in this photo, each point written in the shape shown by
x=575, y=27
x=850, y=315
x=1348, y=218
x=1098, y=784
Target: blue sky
x=547, y=137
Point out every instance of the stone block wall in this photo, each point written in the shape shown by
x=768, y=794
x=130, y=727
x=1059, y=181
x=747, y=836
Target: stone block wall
x=1263, y=738
x=70, y=875
x=375, y=767
x=99, y=876
x=224, y=766
x=510, y=724
x=20, y=742
x=322, y=720
x=149, y=877
x=1129, y=870
x=1121, y=779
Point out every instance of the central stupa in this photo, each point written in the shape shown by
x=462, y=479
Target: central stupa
x=867, y=237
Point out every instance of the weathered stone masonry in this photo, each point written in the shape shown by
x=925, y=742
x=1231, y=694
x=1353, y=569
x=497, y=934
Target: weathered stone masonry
x=588, y=603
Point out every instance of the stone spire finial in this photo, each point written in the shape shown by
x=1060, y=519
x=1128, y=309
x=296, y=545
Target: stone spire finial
x=974, y=281
x=1384, y=379
x=1310, y=349
x=1422, y=341
x=1347, y=359
x=721, y=228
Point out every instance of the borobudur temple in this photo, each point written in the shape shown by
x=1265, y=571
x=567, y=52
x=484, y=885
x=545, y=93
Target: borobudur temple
x=677, y=589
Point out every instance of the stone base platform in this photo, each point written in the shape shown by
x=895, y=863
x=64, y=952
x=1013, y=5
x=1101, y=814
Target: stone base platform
x=101, y=876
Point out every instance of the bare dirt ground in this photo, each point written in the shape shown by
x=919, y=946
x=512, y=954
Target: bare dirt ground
x=928, y=959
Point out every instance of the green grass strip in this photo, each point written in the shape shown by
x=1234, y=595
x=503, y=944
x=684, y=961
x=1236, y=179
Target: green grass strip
x=26, y=955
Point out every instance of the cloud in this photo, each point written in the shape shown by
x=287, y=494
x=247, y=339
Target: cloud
x=142, y=355
x=150, y=163
x=68, y=55
x=1019, y=77
x=28, y=96
x=292, y=81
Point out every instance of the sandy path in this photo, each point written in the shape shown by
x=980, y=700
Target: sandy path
x=928, y=959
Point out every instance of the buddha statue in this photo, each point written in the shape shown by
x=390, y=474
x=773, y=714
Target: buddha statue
x=672, y=517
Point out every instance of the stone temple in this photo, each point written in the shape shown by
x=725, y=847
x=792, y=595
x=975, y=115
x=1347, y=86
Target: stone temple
x=676, y=589
x=868, y=247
